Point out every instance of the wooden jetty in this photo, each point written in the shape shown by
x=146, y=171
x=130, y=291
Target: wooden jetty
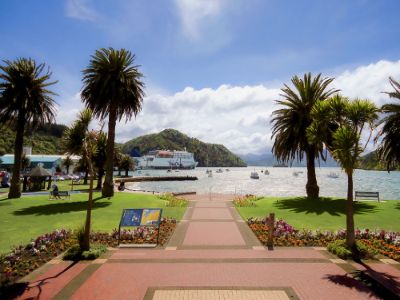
x=155, y=178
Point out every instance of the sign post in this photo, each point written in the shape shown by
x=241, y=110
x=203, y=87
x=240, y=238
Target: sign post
x=140, y=217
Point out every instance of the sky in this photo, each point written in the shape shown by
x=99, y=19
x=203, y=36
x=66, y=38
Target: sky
x=212, y=68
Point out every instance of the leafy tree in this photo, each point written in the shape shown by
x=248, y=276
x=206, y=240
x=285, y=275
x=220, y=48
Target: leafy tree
x=290, y=124
x=24, y=99
x=67, y=162
x=126, y=163
x=99, y=157
x=74, y=137
x=112, y=88
x=339, y=124
x=25, y=162
x=389, y=149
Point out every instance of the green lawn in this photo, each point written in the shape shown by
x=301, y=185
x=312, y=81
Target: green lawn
x=326, y=213
x=30, y=216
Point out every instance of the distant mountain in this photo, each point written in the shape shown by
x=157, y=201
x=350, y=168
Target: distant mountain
x=211, y=155
x=268, y=159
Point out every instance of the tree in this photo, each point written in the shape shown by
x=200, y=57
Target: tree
x=291, y=122
x=126, y=163
x=67, y=162
x=112, y=88
x=25, y=162
x=389, y=149
x=74, y=137
x=24, y=99
x=99, y=157
x=339, y=124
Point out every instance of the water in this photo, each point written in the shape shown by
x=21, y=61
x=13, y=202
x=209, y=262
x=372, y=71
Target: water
x=280, y=182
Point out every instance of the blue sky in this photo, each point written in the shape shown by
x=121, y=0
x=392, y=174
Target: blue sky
x=212, y=67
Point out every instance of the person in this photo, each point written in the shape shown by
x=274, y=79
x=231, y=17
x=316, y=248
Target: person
x=121, y=186
x=5, y=181
x=55, y=191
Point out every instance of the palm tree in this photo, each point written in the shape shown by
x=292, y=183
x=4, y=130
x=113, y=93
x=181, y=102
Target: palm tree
x=24, y=99
x=25, y=162
x=291, y=122
x=339, y=124
x=112, y=88
x=99, y=157
x=389, y=150
x=67, y=162
x=126, y=163
x=74, y=137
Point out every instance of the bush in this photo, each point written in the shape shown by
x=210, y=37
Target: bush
x=173, y=201
x=75, y=253
x=340, y=249
x=246, y=201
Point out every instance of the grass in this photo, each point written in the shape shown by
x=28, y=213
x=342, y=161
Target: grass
x=30, y=216
x=326, y=213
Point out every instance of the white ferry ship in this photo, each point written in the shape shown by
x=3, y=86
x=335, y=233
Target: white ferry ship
x=166, y=159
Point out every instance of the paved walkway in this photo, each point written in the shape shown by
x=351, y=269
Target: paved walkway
x=212, y=255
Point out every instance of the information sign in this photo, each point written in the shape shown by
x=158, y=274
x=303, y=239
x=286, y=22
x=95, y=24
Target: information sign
x=139, y=217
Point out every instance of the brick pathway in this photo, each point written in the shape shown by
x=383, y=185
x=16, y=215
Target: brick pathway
x=212, y=255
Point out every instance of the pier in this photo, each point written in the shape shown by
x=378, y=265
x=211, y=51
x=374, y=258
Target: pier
x=155, y=178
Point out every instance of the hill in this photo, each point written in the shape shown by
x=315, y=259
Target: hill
x=211, y=155
x=45, y=139
x=370, y=161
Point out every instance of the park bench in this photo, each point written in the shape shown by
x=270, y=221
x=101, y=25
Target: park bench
x=366, y=195
x=60, y=195
x=76, y=181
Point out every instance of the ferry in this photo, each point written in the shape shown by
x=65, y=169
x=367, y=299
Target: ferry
x=166, y=159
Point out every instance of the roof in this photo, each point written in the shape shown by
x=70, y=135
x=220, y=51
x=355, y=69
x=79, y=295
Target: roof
x=39, y=172
x=8, y=159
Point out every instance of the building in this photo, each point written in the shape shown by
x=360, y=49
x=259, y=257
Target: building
x=48, y=162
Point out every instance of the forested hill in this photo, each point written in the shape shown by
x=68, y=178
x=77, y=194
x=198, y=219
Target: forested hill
x=370, y=161
x=211, y=155
x=45, y=139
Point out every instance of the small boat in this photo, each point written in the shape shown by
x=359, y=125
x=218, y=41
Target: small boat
x=209, y=174
x=227, y=170
x=266, y=172
x=295, y=174
x=169, y=171
x=219, y=171
x=333, y=175
x=254, y=175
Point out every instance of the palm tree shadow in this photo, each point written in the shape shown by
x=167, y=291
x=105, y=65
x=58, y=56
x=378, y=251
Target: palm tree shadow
x=382, y=284
x=18, y=289
x=60, y=208
x=334, y=207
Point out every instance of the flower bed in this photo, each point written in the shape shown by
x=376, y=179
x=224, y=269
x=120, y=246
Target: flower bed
x=139, y=235
x=173, y=201
x=379, y=241
x=24, y=259
x=246, y=201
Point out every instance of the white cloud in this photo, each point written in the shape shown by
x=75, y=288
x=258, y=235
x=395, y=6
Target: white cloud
x=80, y=9
x=195, y=14
x=239, y=116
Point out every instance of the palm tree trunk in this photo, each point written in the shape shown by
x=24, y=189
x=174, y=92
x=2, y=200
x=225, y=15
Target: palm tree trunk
x=15, y=188
x=350, y=235
x=312, y=187
x=100, y=179
x=126, y=172
x=86, y=239
x=85, y=179
x=108, y=186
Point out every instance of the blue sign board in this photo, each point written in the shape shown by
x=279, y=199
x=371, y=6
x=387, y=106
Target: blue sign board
x=141, y=217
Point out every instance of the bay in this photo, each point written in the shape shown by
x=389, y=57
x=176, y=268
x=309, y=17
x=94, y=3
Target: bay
x=280, y=182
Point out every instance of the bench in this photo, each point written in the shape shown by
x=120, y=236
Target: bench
x=366, y=195
x=60, y=195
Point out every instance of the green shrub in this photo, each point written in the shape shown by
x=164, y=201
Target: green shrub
x=75, y=253
x=173, y=201
x=340, y=249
